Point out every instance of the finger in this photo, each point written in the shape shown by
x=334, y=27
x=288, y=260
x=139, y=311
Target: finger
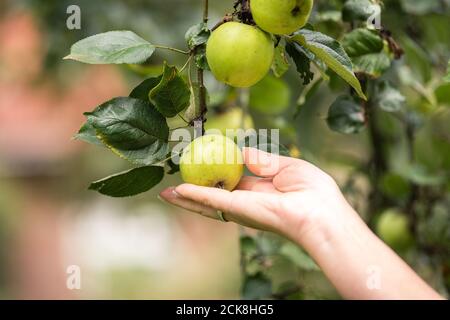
x=172, y=197
x=245, y=207
x=257, y=185
x=265, y=164
x=288, y=174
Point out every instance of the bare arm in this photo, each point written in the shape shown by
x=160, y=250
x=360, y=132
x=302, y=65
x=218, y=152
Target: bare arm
x=297, y=200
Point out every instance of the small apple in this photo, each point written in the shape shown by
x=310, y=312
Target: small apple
x=271, y=96
x=239, y=55
x=212, y=161
x=281, y=17
x=393, y=228
x=231, y=119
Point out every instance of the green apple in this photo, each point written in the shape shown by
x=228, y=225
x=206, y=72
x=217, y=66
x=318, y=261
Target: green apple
x=393, y=228
x=231, y=119
x=281, y=16
x=239, y=55
x=212, y=161
x=271, y=96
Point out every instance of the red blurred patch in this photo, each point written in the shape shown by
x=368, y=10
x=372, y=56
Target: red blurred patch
x=38, y=117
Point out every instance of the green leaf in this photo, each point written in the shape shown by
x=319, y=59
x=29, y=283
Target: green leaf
x=420, y=175
x=146, y=70
x=388, y=98
x=435, y=229
x=133, y=129
x=270, y=96
x=280, y=62
x=302, y=62
x=197, y=35
x=200, y=58
x=257, y=287
x=346, y=116
x=129, y=183
x=374, y=64
x=172, y=94
x=248, y=246
x=417, y=59
x=394, y=186
x=447, y=77
x=443, y=94
x=331, y=53
x=196, y=38
x=359, y=10
x=365, y=48
x=330, y=15
x=362, y=41
x=298, y=257
x=192, y=112
x=114, y=47
x=306, y=95
x=88, y=134
x=421, y=7
x=143, y=89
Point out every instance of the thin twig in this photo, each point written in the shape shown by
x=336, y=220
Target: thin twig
x=186, y=64
x=172, y=49
x=205, y=11
x=227, y=18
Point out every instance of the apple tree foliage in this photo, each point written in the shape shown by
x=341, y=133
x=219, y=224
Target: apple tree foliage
x=387, y=92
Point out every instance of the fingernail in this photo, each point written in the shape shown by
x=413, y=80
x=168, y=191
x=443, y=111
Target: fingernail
x=176, y=194
x=161, y=199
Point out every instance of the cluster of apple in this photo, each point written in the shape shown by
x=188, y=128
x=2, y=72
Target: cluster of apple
x=239, y=55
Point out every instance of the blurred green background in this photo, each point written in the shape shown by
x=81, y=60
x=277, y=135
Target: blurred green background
x=142, y=248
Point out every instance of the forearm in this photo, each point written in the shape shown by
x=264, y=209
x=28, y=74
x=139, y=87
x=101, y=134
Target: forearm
x=359, y=264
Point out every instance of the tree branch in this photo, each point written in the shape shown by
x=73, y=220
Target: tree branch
x=205, y=11
x=203, y=108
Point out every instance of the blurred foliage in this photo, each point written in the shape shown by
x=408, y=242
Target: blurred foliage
x=145, y=17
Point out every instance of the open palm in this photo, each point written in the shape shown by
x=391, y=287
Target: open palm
x=287, y=196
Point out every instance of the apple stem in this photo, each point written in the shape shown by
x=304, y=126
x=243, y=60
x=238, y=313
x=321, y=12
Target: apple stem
x=227, y=18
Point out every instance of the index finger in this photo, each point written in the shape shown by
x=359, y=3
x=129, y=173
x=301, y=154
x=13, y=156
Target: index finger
x=265, y=164
x=244, y=207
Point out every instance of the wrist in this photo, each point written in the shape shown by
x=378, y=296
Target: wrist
x=327, y=231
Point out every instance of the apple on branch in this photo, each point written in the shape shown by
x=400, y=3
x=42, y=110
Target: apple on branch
x=239, y=55
x=281, y=17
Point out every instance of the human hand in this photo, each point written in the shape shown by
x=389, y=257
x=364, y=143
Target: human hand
x=288, y=196
x=299, y=201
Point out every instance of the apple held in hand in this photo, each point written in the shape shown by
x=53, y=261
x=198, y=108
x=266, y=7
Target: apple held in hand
x=281, y=17
x=239, y=55
x=212, y=161
x=231, y=119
